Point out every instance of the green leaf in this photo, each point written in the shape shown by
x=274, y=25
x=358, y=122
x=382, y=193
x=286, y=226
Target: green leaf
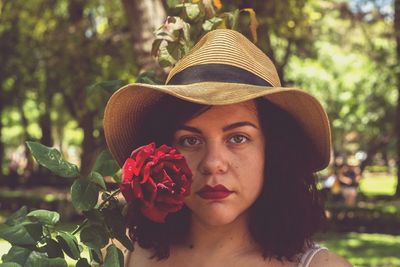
x=37, y=259
x=82, y=262
x=174, y=49
x=53, y=249
x=94, y=216
x=99, y=93
x=84, y=194
x=192, y=11
x=116, y=222
x=17, y=217
x=148, y=77
x=107, y=86
x=118, y=177
x=211, y=24
x=17, y=254
x=97, y=178
x=96, y=257
x=30, y=258
x=165, y=59
x=233, y=19
x=26, y=233
x=253, y=22
x=10, y=264
x=94, y=236
x=114, y=257
x=44, y=216
x=69, y=245
x=105, y=163
x=56, y=262
x=173, y=3
x=51, y=159
x=154, y=52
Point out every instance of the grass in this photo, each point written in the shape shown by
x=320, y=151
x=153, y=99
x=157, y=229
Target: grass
x=373, y=184
x=364, y=249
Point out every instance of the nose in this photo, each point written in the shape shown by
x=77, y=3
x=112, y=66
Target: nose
x=214, y=160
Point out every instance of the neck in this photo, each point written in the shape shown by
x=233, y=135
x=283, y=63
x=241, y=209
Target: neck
x=223, y=240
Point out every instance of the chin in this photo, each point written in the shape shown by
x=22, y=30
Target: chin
x=217, y=216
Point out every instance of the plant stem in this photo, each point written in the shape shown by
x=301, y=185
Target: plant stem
x=100, y=207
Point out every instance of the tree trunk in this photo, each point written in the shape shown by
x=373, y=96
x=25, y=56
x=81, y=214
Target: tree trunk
x=45, y=126
x=26, y=137
x=374, y=147
x=280, y=66
x=1, y=129
x=89, y=145
x=397, y=33
x=144, y=17
x=76, y=100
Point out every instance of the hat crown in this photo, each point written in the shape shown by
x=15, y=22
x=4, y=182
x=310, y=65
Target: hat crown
x=240, y=53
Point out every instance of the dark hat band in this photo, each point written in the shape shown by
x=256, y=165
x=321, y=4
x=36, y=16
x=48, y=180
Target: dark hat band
x=216, y=73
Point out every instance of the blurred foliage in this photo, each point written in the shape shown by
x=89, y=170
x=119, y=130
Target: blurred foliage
x=353, y=75
x=364, y=249
x=373, y=185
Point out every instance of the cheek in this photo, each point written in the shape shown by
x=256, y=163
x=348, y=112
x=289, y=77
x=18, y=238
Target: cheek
x=254, y=172
x=192, y=163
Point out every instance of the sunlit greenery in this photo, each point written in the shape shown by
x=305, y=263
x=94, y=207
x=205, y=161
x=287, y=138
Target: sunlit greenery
x=364, y=249
x=378, y=185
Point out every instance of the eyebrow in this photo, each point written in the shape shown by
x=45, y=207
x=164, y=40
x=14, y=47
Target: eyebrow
x=226, y=128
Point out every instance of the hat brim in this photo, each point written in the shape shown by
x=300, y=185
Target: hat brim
x=124, y=108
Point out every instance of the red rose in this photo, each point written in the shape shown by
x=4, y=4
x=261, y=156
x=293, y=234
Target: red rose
x=159, y=178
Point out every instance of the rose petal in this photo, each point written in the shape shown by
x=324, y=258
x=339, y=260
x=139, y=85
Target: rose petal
x=170, y=203
x=159, y=177
x=128, y=169
x=146, y=172
x=136, y=189
x=147, y=148
x=158, y=168
x=126, y=191
x=154, y=214
x=151, y=190
x=163, y=149
x=140, y=155
x=171, y=166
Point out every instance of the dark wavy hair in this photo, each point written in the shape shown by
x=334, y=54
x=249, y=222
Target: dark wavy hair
x=288, y=211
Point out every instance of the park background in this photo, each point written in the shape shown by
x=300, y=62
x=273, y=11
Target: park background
x=61, y=60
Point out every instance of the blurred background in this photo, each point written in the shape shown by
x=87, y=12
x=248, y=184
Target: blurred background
x=60, y=60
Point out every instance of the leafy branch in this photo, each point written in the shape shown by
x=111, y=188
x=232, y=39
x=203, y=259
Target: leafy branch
x=188, y=22
x=33, y=236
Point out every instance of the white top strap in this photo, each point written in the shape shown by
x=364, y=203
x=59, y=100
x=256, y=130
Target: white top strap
x=309, y=255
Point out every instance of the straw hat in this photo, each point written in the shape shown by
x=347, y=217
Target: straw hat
x=224, y=67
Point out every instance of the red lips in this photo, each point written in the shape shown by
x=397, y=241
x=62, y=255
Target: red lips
x=214, y=192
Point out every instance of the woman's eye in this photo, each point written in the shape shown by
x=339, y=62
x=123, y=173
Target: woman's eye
x=238, y=139
x=189, y=141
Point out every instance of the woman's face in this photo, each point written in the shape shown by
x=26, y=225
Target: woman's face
x=225, y=149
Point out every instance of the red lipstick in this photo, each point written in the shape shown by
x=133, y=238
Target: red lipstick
x=214, y=192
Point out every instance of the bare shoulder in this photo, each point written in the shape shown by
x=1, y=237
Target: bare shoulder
x=327, y=258
x=139, y=257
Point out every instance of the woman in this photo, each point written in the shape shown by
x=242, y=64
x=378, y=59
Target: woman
x=252, y=147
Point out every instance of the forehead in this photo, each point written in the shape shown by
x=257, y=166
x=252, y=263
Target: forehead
x=244, y=111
